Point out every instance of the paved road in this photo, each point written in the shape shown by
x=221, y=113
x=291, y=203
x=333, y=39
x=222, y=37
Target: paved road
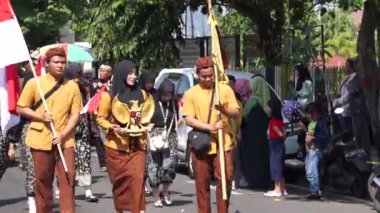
x=12, y=198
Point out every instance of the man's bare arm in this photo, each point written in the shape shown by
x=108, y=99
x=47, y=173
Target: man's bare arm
x=71, y=124
x=34, y=116
x=196, y=124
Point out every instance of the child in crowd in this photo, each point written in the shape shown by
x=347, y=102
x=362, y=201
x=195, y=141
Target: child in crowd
x=310, y=132
x=316, y=142
x=276, y=148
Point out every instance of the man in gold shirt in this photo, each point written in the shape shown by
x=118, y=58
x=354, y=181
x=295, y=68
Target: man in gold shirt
x=197, y=101
x=64, y=104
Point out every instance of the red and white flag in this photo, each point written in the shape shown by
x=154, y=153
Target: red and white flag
x=93, y=104
x=9, y=93
x=13, y=48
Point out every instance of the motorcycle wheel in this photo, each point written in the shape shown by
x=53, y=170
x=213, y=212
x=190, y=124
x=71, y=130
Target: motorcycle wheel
x=359, y=188
x=374, y=190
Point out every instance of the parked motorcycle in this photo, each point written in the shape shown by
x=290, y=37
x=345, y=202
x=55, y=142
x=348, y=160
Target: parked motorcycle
x=374, y=186
x=345, y=165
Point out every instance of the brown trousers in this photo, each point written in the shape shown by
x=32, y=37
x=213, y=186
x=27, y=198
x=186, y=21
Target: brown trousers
x=204, y=166
x=46, y=163
x=126, y=171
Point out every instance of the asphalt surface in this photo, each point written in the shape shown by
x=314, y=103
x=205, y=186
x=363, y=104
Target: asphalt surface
x=13, y=200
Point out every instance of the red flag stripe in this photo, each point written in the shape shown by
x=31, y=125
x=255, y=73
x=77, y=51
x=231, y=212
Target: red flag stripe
x=5, y=10
x=40, y=65
x=13, y=87
x=94, y=104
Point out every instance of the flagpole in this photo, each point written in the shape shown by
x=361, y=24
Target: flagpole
x=220, y=140
x=39, y=88
x=220, y=131
x=47, y=110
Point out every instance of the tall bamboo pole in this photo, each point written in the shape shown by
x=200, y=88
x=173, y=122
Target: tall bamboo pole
x=217, y=93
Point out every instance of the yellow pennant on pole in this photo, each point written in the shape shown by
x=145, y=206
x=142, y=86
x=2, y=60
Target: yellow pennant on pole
x=220, y=76
x=215, y=48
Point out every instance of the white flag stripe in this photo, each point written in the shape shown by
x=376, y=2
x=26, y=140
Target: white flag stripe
x=85, y=108
x=7, y=120
x=13, y=48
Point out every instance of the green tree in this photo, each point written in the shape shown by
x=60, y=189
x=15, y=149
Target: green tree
x=368, y=66
x=340, y=34
x=41, y=20
x=144, y=31
x=232, y=23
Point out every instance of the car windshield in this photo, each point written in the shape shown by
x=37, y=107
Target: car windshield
x=180, y=81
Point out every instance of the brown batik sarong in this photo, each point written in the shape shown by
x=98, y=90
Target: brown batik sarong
x=126, y=171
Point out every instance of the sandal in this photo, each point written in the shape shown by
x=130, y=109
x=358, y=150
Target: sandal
x=167, y=201
x=147, y=192
x=158, y=204
x=56, y=194
x=92, y=199
x=272, y=194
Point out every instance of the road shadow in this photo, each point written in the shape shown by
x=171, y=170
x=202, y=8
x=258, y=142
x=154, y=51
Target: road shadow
x=181, y=168
x=329, y=195
x=106, y=197
x=11, y=201
x=83, y=197
x=182, y=202
x=175, y=202
x=97, y=178
x=182, y=194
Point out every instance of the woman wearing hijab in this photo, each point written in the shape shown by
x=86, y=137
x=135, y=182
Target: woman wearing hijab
x=254, y=145
x=125, y=116
x=147, y=82
x=243, y=88
x=82, y=146
x=162, y=155
x=304, y=85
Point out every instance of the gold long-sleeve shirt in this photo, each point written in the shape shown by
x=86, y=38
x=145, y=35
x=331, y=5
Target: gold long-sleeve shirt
x=107, y=121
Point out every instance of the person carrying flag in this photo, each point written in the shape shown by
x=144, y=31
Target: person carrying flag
x=64, y=101
x=196, y=100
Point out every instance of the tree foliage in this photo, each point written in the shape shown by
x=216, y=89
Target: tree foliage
x=144, y=31
x=232, y=23
x=274, y=20
x=306, y=39
x=340, y=34
x=41, y=20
